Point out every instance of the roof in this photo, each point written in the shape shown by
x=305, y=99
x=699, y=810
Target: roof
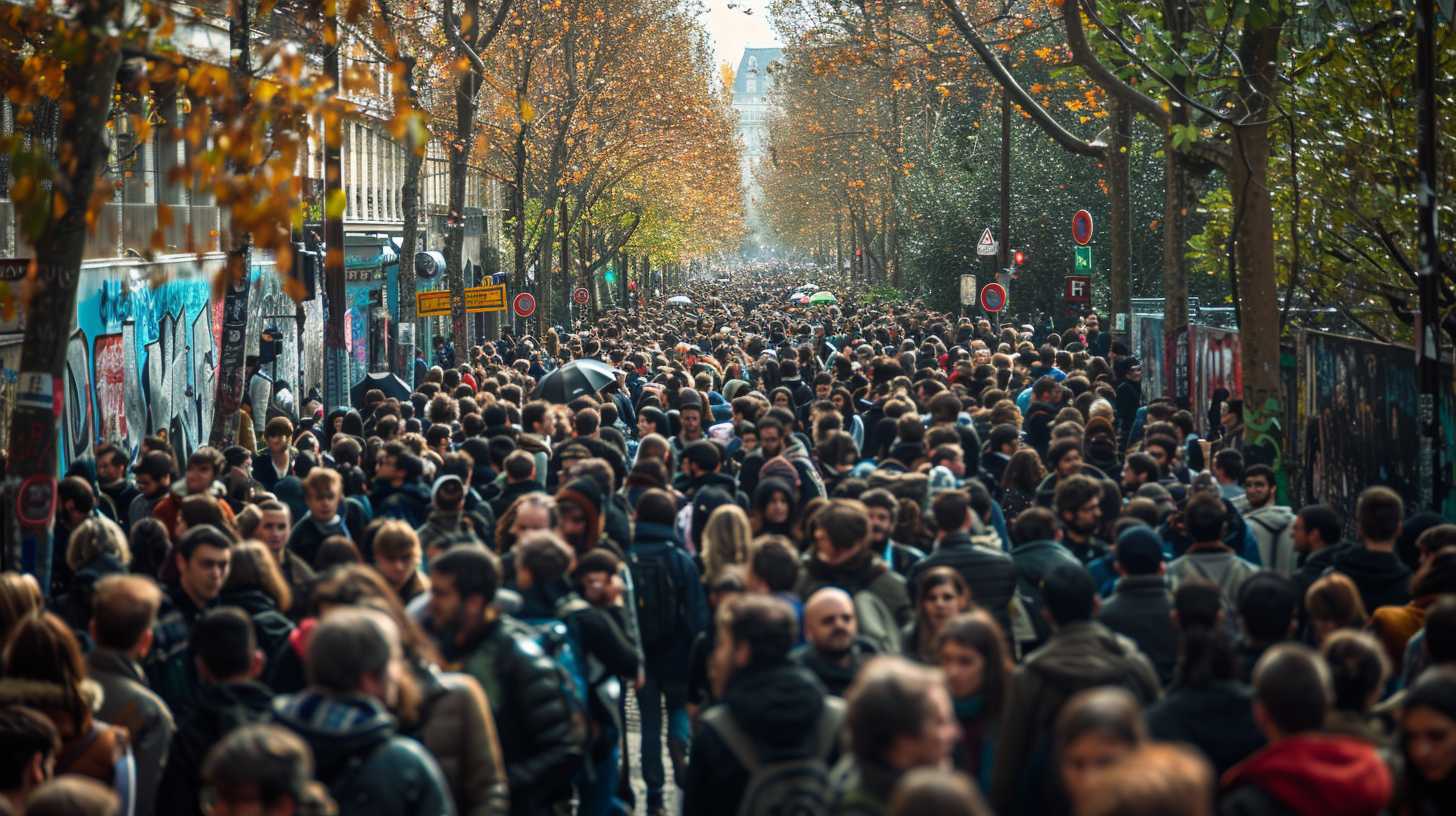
x=760, y=57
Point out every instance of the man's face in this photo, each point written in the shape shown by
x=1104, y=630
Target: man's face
x=1135, y=374
x=1301, y=536
x=273, y=530
x=692, y=423
x=1131, y=479
x=938, y=734
x=1228, y=419
x=573, y=522
x=1258, y=490
x=199, y=478
x=110, y=469
x=829, y=625
x=1160, y=456
x=1086, y=518
x=530, y=518
x=1070, y=465
x=149, y=487
x=323, y=505
x=771, y=441
x=446, y=605
x=384, y=468
x=204, y=573
x=821, y=391
x=881, y=524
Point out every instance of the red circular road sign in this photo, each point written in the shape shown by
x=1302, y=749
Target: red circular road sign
x=581, y=297
x=1082, y=227
x=993, y=297
x=524, y=304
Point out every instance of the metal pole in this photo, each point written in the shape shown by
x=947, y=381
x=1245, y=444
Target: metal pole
x=336, y=354
x=1003, y=245
x=1428, y=343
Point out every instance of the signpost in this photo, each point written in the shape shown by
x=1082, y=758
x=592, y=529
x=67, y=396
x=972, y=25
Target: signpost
x=968, y=290
x=432, y=304
x=1082, y=227
x=987, y=245
x=1077, y=289
x=581, y=296
x=1083, y=260
x=524, y=304
x=485, y=298
x=993, y=297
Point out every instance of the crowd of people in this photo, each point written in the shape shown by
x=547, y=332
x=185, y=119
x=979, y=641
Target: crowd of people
x=846, y=558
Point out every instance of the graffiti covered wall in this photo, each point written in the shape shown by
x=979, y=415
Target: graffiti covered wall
x=143, y=354
x=1148, y=346
x=1215, y=364
x=1358, y=420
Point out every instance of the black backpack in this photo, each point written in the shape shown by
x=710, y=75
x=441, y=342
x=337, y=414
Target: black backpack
x=792, y=787
x=658, y=614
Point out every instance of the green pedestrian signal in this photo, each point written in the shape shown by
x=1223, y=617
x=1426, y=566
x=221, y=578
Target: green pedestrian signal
x=1083, y=260
x=611, y=277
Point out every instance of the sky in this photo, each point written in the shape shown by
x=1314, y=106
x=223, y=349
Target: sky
x=732, y=30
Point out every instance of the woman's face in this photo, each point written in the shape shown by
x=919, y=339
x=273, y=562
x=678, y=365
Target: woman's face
x=1084, y=757
x=1070, y=465
x=781, y=400
x=1430, y=743
x=777, y=509
x=964, y=669
x=397, y=569
x=838, y=400
x=941, y=603
x=645, y=425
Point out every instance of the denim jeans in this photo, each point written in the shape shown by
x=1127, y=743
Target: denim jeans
x=679, y=733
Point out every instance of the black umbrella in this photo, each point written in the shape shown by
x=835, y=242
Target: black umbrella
x=584, y=376
x=391, y=385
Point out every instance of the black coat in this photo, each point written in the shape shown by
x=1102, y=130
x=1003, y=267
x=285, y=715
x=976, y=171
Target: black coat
x=778, y=706
x=1217, y=719
x=1383, y=580
x=219, y=710
x=991, y=574
x=1141, y=609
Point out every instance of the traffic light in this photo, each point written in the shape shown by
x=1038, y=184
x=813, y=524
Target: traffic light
x=611, y=276
x=1018, y=258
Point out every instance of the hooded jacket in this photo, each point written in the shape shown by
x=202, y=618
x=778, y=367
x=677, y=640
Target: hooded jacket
x=1218, y=566
x=1141, y=609
x=410, y=502
x=1217, y=719
x=669, y=661
x=1382, y=579
x=367, y=766
x=219, y=710
x=1078, y=656
x=1273, y=529
x=511, y=492
x=778, y=706
x=1308, y=775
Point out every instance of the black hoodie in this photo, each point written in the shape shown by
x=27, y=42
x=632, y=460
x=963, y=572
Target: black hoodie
x=1382, y=579
x=220, y=709
x=778, y=706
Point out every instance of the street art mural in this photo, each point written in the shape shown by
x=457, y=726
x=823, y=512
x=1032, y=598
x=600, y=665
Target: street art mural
x=1216, y=364
x=1148, y=346
x=143, y=356
x=1358, y=420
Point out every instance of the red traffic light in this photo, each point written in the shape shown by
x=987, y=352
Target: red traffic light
x=1018, y=257
x=631, y=286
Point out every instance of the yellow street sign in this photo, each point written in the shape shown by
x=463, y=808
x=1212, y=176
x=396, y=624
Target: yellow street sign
x=432, y=304
x=486, y=298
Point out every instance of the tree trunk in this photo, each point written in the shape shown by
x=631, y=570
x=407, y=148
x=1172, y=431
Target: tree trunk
x=231, y=369
x=466, y=90
x=409, y=193
x=1176, y=197
x=31, y=474
x=1254, y=211
x=1120, y=185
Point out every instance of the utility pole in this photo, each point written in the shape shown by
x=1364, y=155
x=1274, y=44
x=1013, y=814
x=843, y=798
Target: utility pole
x=336, y=353
x=231, y=369
x=1428, y=341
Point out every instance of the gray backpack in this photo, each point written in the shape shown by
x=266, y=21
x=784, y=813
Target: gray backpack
x=793, y=787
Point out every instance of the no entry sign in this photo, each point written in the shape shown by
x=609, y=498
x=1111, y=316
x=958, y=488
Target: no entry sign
x=993, y=297
x=524, y=304
x=581, y=296
x=1082, y=227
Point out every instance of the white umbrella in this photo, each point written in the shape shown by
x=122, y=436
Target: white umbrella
x=679, y=300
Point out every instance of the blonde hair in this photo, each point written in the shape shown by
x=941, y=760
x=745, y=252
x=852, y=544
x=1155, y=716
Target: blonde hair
x=726, y=539
x=97, y=536
x=20, y=597
x=253, y=567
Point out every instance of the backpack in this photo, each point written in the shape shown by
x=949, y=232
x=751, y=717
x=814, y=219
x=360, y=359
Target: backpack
x=659, y=617
x=877, y=623
x=559, y=641
x=792, y=787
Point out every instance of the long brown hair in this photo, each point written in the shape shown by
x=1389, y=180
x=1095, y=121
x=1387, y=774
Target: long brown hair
x=978, y=631
x=253, y=567
x=42, y=648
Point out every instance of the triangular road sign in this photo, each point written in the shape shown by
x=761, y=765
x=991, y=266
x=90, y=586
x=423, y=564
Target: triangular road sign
x=987, y=244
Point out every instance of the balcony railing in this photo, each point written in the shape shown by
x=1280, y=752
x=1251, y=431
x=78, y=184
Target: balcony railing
x=124, y=229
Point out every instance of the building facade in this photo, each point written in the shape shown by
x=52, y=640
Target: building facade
x=753, y=101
